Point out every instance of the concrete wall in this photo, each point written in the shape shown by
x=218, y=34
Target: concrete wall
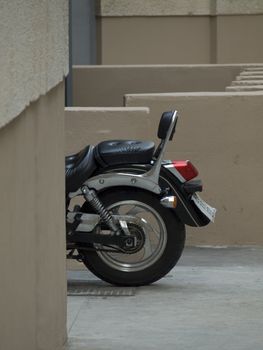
x=34, y=52
x=32, y=239
x=222, y=134
x=33, y=63
x=119, y=8
x=153, y=40
x=92, y=125
x=179, y=32
x=106, y=85
x=238, y=39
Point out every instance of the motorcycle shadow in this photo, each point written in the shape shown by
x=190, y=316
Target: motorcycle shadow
x=80, y=286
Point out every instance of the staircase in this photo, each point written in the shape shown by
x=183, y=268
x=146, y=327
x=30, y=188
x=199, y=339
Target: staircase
x=250, y=79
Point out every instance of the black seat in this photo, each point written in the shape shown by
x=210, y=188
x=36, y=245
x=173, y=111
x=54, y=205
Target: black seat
x=79, y=168
x=115, y=152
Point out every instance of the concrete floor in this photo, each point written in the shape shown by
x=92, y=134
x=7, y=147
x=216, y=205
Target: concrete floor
x=213, y=299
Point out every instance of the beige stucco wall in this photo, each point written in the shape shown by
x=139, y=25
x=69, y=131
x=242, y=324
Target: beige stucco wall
x=91, y=125
x=179, y=32
x=33, y=63
x=34, y=52
x=238, y=39
x=32, y=234
x=153, y=40
x=222, y=134
x=106, y=85
x=114, y=8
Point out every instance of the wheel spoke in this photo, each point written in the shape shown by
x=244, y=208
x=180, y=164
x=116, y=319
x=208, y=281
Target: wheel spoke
x=150, y=229
x=148, y=249
x=115, y=211
x=135, y=210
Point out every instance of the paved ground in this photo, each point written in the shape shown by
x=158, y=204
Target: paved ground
x=213, y=299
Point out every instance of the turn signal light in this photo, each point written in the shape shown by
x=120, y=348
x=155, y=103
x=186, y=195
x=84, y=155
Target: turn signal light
x=169, y=202
x=186, y=169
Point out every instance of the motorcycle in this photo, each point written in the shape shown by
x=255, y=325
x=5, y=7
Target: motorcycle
x=130, y=230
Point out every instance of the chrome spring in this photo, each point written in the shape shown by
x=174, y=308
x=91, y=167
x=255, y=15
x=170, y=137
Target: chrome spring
x=105, y=215
x=101, y=210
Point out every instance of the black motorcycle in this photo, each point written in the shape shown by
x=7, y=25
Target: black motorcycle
x=130, y=228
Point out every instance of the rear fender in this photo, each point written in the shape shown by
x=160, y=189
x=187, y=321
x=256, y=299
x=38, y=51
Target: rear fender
x=185, y=210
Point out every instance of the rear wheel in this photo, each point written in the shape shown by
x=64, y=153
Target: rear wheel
x=159, y=244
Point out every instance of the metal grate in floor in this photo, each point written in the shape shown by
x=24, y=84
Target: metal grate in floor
x=100, y=291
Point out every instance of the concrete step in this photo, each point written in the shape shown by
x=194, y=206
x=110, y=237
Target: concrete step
x=244, y=88
x=259, y=72
x=247, y=82
x=252, y=69
x=249, y=77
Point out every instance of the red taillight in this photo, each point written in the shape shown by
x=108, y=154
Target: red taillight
x=186, y=169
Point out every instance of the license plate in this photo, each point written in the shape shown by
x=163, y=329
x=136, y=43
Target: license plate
x=205, y=208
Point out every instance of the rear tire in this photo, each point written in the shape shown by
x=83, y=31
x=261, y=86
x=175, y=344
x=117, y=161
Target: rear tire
x=162, y=226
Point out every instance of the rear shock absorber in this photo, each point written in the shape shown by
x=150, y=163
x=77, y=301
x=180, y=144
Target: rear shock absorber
x=92, y=198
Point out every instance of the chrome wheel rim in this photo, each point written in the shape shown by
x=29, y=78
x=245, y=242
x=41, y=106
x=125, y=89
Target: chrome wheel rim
x=155, y=238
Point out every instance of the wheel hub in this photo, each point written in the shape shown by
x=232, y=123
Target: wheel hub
x=137, y=232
